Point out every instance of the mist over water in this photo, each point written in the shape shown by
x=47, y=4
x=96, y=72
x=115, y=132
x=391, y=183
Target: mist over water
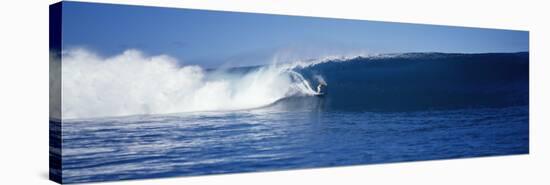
x=133, y=83
x=320, y=79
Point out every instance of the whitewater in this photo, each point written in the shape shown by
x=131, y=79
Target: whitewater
x=132, y=83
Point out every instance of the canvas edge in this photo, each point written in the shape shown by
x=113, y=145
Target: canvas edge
x=55, y=126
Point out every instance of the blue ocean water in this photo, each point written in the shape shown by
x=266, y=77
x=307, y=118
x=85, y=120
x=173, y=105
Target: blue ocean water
x=409, y=107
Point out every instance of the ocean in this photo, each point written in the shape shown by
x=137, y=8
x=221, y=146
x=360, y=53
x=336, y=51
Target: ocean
x=375, y=109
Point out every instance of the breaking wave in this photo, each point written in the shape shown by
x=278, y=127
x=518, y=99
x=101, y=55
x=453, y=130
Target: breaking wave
x=132, y=83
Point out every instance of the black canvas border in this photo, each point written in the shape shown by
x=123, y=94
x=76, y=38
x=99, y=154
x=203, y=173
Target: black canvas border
x=55, y=122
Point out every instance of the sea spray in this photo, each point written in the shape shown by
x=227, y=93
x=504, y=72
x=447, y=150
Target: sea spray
x=132, y=83
x=320, y=79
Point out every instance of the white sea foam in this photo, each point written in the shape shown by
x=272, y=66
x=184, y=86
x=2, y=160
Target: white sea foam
x=133, y=83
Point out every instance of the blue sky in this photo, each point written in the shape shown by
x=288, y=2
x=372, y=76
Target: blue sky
x=214, y=38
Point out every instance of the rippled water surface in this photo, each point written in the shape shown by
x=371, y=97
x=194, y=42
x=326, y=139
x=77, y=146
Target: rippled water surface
x=261, y=140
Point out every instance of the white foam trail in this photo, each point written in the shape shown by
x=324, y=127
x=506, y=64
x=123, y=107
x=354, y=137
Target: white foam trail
x=131, y=83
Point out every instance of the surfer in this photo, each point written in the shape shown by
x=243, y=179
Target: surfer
x=320, y=88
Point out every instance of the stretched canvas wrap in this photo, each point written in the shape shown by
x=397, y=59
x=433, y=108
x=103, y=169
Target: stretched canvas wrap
x=146, y=92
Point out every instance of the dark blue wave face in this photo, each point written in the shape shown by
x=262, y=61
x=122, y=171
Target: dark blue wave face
x=424, y=81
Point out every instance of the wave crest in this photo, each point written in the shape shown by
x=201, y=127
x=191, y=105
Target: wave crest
x=132, y=83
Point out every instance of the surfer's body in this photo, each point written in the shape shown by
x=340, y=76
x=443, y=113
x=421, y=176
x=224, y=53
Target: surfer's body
x=320, y=89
